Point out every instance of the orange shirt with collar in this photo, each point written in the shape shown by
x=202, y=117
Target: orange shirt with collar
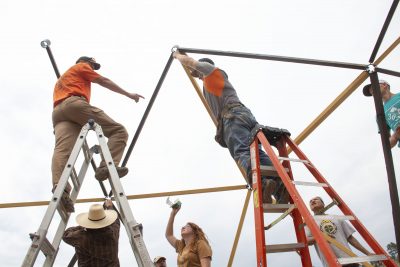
x=75, y=81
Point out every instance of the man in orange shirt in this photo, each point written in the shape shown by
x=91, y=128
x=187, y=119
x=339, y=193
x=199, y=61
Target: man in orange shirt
x=72, y=110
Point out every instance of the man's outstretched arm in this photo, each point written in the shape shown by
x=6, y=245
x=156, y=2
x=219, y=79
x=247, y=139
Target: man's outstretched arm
x=107, y=83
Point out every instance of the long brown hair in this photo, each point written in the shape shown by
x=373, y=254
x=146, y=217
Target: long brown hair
x=198, y=235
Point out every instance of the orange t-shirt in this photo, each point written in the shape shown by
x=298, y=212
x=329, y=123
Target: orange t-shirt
x=214, y=83
x=75, y=81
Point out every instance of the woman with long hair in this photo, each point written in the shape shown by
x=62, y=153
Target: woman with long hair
x=193, y=249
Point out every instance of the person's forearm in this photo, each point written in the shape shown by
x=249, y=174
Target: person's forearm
x=169, y=231
x=393, y=140
x=107, y=83
x=354, y=242
x=186, y=60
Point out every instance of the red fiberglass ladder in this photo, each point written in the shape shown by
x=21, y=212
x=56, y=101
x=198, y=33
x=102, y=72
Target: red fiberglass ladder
x=296, y=208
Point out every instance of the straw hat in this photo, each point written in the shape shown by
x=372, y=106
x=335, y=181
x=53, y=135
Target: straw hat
x=97, y=217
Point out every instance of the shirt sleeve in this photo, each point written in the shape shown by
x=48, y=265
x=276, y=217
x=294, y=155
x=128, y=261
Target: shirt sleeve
x=204, y=250
x=72, y=235
x=87, y=73
x=205, y=68
x=348, y=230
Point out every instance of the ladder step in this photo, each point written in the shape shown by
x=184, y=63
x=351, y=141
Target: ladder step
x=371, y=258
x=269, y=171
x=276, y=208
x=284, y=247
x=294, y=160
x=47, y=248
x=310, y=184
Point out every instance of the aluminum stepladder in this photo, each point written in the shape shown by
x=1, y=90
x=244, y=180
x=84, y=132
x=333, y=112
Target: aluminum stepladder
x=297, y=209
x=133, y=229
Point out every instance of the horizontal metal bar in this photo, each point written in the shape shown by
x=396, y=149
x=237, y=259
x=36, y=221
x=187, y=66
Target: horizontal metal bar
x=310, y=184
x=294, y=160
x=362, y=259
x=284, y=247
x=275, y=58
x=330, y=217
x=277, y=208
x=389, y=72
x=269, y=170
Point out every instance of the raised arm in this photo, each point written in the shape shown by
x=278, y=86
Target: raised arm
x=169, y=231
x=185, y=60
x=107, y=83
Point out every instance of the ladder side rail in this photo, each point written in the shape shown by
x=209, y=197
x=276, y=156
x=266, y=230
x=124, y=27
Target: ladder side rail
x=132, y=227
x=74, y=194
x=362, y=230
x=261, y=252
x=34, y=249
x=304, y=253
x=294, y=194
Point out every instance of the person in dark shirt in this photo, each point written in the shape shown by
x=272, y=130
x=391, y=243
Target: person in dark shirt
x=96, y=238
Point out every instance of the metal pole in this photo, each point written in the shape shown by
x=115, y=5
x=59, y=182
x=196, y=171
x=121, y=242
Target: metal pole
x=146, y=113
x=384, y=29
x=389, y=72
x=384, y=132
x=46, y=44
x=274, y=58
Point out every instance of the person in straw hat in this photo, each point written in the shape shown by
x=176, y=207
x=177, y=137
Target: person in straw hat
x=96, y=238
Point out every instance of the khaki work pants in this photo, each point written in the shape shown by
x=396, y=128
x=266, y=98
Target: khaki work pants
x=68, y=118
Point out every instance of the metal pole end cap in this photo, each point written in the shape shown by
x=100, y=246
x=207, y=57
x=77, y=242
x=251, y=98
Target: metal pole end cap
x=174, y=48
x=45, y=43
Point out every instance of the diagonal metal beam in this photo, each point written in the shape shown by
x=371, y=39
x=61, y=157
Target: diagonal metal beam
x=147, y=111
x=384, y=29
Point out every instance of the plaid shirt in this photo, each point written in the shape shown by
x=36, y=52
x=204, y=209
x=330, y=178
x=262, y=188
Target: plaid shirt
x=95, y=247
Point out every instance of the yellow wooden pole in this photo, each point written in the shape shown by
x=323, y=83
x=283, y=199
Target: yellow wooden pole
x=140, y=196
x=239, y=229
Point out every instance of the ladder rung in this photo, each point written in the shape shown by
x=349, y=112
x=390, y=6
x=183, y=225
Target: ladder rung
x=284, y=247
x=269, y=170
x=46, y=247
x=294, y=160
x=330, y=217
x=63, y=213
x=310, y=184
x=362, y=259
x=74, y=178
x=276, y=208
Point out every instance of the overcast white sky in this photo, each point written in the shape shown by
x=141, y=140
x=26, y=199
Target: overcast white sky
x=176, y=151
